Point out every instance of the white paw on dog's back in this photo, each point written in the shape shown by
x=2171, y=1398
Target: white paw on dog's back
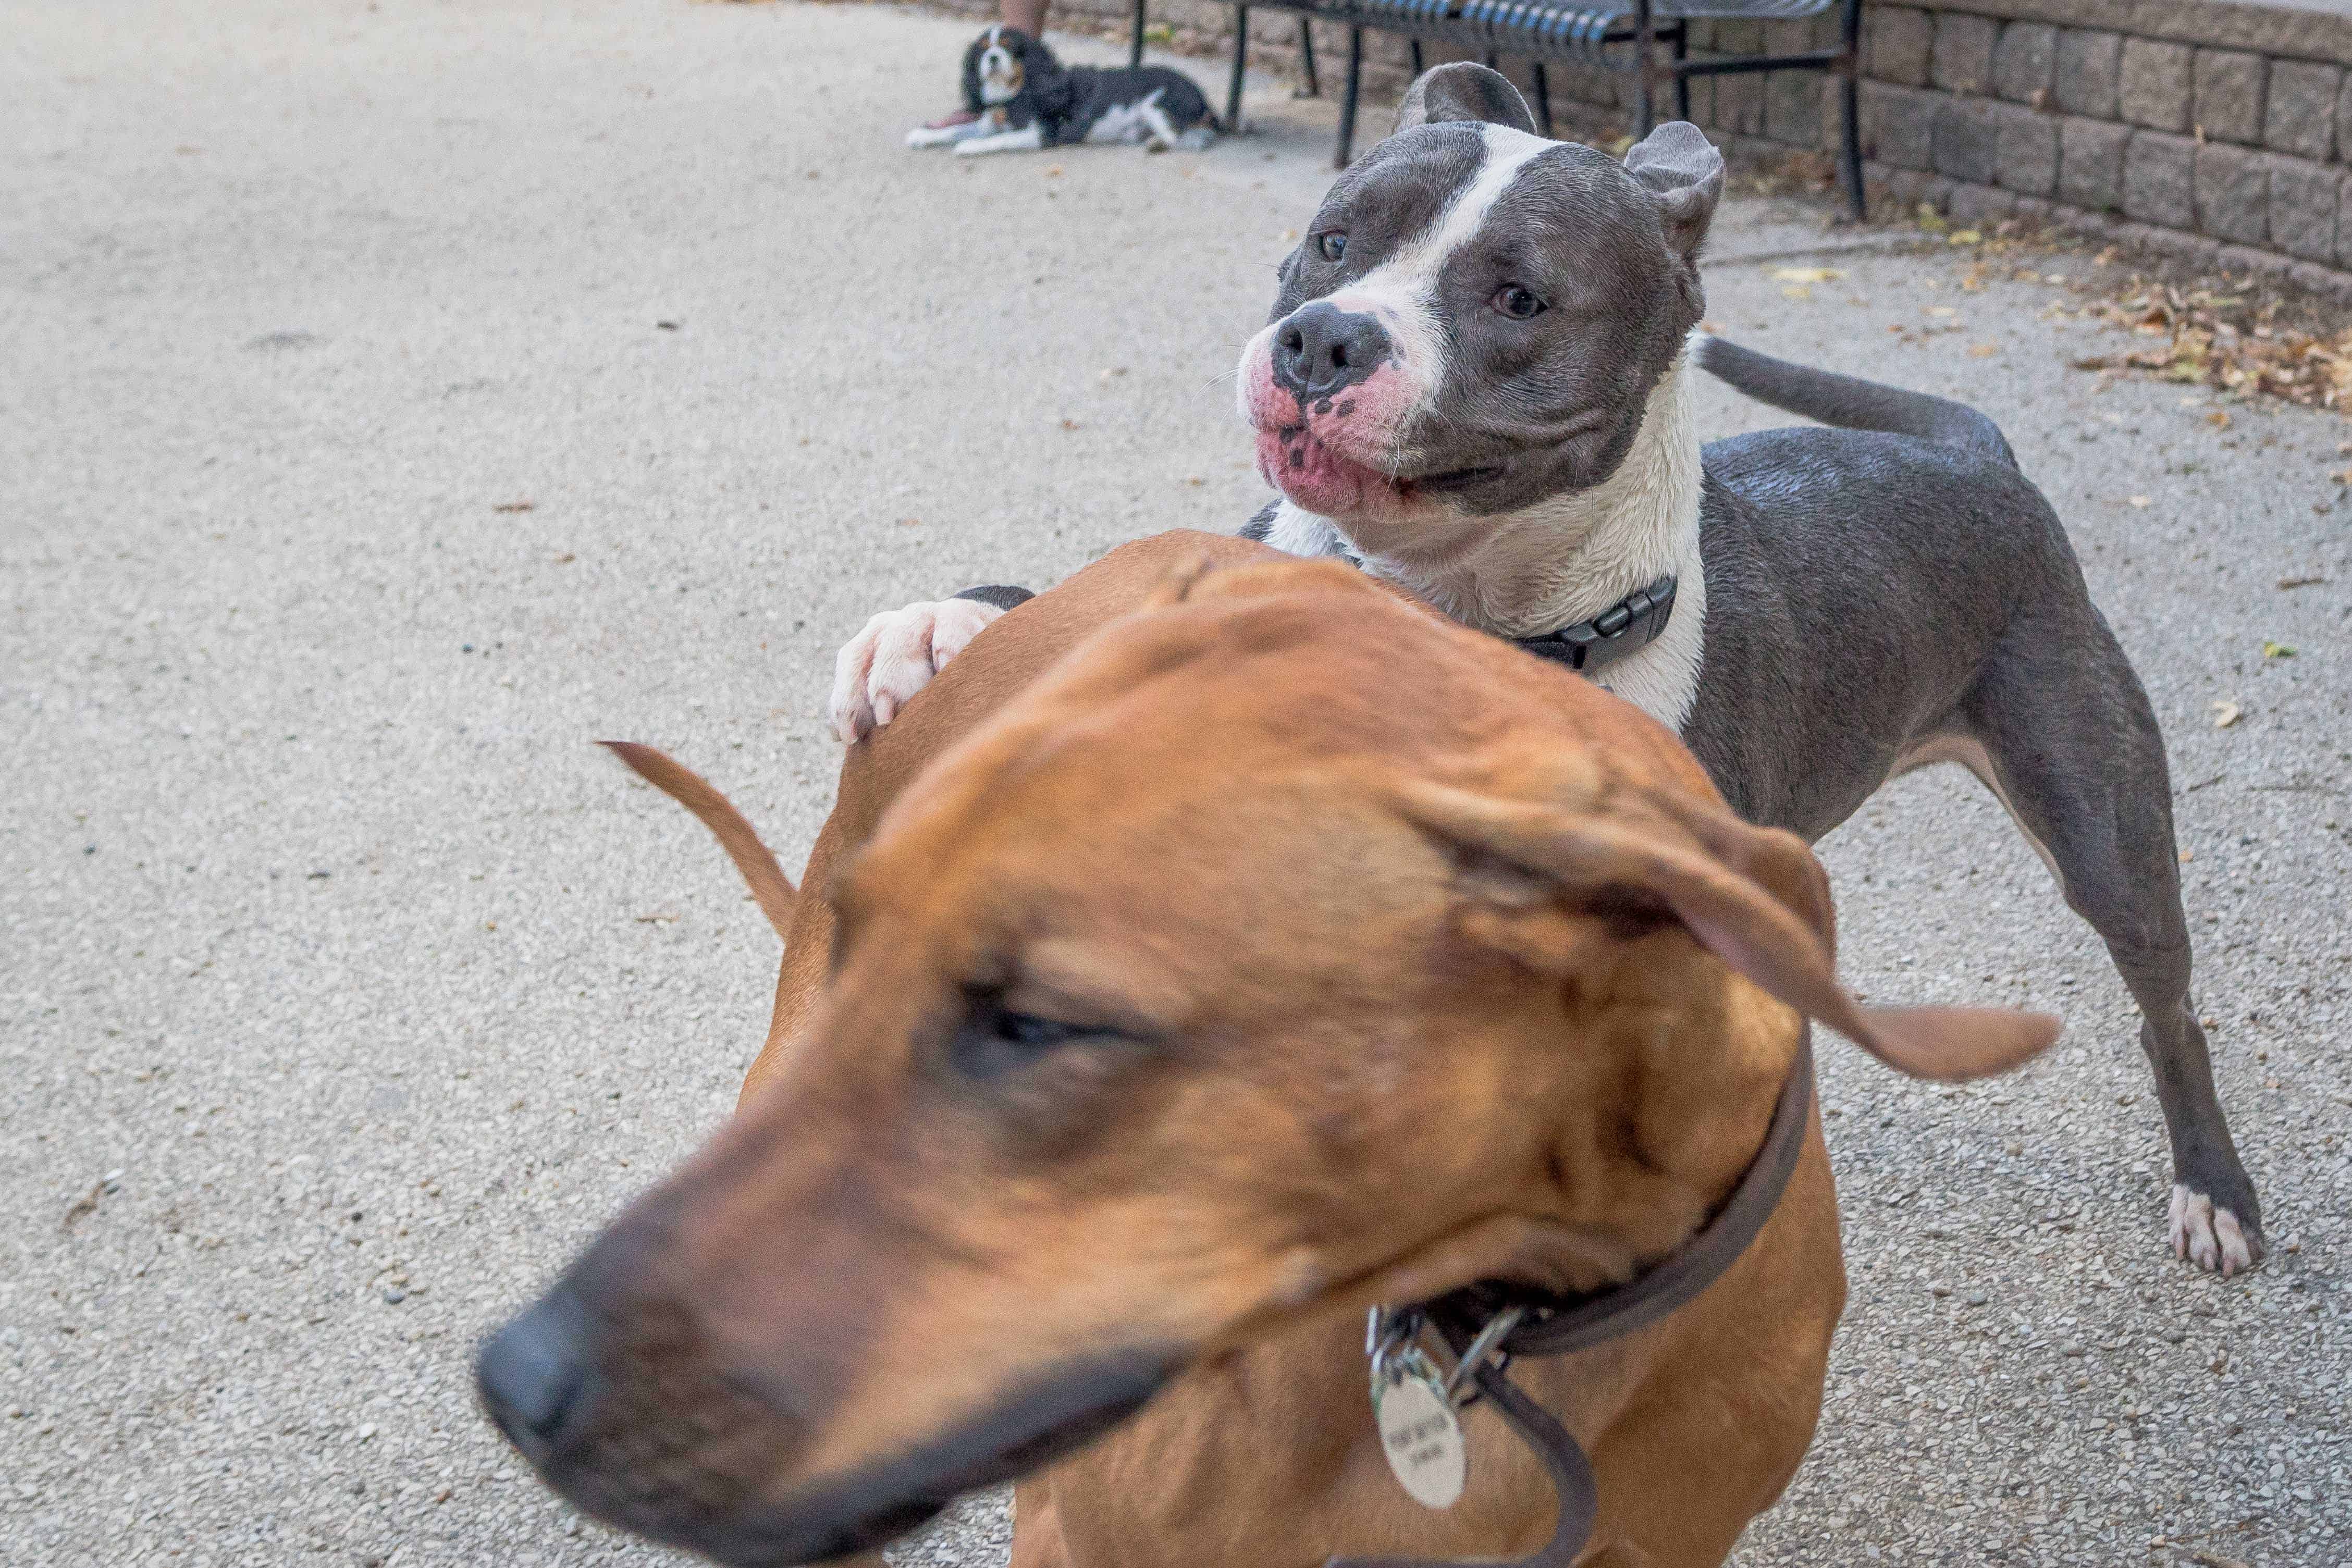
x=895, y=656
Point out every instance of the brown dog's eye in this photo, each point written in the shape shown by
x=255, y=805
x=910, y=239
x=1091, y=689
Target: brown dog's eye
x=1332, y=246
x=1519, y=304
x=993, y=1040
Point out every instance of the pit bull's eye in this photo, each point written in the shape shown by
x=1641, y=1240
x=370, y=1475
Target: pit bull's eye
x=993, y=1040
x=1333, y=245
x=1519, y=304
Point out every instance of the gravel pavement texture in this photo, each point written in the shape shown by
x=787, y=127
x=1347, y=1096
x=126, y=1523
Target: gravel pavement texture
x=396, y=397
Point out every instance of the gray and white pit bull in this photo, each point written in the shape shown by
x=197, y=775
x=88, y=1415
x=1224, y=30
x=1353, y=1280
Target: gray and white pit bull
x=1474, y=382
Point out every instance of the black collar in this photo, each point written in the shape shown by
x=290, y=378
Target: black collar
x=1545, y=1324
x=1631, y=624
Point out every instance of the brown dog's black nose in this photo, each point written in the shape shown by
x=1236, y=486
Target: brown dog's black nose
x=1322, y=349
x=534, y=1374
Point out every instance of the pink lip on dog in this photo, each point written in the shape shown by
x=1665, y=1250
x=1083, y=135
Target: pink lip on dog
x=1296, y=461
x=1316, y=453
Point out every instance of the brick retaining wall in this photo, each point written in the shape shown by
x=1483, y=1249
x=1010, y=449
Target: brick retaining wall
x=2218, y=131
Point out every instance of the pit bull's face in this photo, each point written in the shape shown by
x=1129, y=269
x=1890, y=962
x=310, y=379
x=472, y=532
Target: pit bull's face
x=1136, y=1047
x=1476, y=317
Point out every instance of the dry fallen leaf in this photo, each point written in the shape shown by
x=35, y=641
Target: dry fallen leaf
x=1941, y=311
x=1069, y=424
x=2187, y=855
x=1983, y=351
x=2277, y=650
x=1806, y=275
x=1796, y=291
x=2139, y=500
x=514, y=507
x=2226, y=713
x=1967, y=236
x=1052, y=169
x=2312, y=581
x=2218, y=418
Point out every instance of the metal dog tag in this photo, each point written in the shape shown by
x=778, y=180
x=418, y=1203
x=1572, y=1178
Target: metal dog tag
x=1420, y=1436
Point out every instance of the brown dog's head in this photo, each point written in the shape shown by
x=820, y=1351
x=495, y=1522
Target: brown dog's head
x=1281, y=951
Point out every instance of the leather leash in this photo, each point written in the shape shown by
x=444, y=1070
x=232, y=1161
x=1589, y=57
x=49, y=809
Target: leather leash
x=1548, y=1325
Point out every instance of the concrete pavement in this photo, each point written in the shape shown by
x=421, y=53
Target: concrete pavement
x=396, y=397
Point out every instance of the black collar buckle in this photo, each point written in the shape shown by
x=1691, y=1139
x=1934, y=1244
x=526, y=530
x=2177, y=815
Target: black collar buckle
x=1628, y=626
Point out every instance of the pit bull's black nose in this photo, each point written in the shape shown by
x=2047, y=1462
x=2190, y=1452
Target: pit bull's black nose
x=534, y=1373
x=1322, y=349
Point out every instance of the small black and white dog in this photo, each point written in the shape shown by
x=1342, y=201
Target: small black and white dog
x=1026, y=100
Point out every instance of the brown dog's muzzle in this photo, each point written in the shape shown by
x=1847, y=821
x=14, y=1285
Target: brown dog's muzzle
x=621, y=1396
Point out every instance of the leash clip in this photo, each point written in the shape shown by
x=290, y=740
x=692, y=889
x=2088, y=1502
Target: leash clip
x=1391, y=1345
x=1498, y=1328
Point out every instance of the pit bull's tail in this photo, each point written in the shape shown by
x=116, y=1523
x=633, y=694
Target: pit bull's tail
x=1849, y=403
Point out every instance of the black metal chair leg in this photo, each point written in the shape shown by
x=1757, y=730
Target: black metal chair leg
x=1347, y=104
x=1416, y=58
x=1241, y=58
x=1644, y=41
x=1850, y=96
x=1313, y=89
x=1135, y=47
x=1543, y=99
x=1494, y=61
x=1682, y=82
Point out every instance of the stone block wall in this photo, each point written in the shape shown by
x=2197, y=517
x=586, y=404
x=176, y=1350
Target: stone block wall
x=2219, y=131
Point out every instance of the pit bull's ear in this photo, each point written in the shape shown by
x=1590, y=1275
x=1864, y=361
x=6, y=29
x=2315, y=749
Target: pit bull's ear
x=1465, y=91
x=1681, y=168
x=1753, y=896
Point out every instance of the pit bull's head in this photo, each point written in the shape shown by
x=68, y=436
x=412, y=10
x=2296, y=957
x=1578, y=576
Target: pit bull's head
x=1268, y=956
x=1477, y=317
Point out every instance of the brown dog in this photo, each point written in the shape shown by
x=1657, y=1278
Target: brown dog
x=1280, y=952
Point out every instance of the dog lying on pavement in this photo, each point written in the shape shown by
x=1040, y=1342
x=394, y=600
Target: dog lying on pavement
x=1026, y=99
x=1474, y=385
x=1110, y=1068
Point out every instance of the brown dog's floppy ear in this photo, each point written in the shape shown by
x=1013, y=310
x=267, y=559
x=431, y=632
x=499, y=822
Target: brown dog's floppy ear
x=1753, y=896
x=753, y=860
x=1463, y=90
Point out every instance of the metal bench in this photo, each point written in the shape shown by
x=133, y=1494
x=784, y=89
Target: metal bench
x=1611, y=35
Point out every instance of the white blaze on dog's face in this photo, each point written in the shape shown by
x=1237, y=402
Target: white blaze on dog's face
x=1477, y=316
x=997, y=66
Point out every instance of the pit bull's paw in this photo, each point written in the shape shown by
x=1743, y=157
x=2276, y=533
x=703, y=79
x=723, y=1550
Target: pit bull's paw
x=2213, y=1238
x=895, y=656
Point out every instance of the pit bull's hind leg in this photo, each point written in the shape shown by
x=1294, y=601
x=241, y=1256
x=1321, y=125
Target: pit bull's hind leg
x=2061, y=730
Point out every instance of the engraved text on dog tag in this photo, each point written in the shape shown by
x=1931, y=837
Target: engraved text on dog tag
x=1422, y=1438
